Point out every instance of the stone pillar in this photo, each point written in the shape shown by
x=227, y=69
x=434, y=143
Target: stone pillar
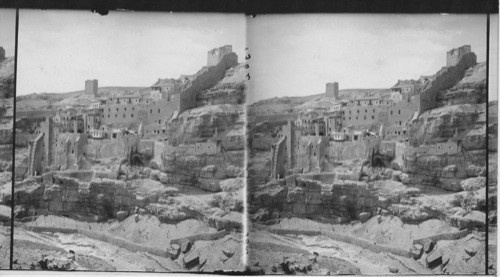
x=316, y=129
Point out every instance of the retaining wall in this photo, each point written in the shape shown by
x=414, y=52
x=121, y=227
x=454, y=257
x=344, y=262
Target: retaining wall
x=122, y=243
x=443, y=236
x=377, y=248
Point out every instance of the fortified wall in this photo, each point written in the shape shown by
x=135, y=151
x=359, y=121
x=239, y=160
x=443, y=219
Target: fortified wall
x=205, y=79
x=445, y=79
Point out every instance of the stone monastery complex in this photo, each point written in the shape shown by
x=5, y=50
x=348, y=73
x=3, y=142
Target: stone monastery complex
x=317, y=139
x=120, y=125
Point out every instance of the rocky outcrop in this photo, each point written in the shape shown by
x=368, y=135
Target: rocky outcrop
x=342, y=200
x=460, y=94
x=95, y=201
x=205, y=172
x=7, y=78
x=204, y=122
x=230, y=90
x=471, y=89
x=445, y=171
x=444, y=123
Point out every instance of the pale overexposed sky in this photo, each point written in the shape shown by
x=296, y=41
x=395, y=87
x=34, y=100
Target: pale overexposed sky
x=59, y=50
x=8, y=31
x=493, y=76
x=296, y=55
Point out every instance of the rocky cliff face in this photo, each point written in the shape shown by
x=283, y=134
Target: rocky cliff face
x=230, y=90
x=344, y=200
x=204, y=121
x=471, y=89
x=96, y=200
x=459, y=116
x=7, y=78
x=206, y=172
x=6, y=112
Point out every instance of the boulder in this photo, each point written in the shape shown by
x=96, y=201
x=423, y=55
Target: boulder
x=186, y=246
x=262, y=215
x=312, y=258
x=121, y=215
x=229, y=253
x=174, y=251
x=192, y=259
x=445, y=259
x=428, y=246
x=475, y=170
x=473, y=184
x=208, y=171
x=162, y=177
x=364, y=216
x=434, y=259
x=405, y=178
x=470, y=251
x=203, y=260
x=393, y=269
x=322, y=272
x=416, y=251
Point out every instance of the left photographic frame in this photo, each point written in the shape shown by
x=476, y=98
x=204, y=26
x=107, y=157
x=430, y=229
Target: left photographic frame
x=7, y=92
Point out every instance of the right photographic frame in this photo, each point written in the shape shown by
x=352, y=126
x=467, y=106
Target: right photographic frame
x=372, y=144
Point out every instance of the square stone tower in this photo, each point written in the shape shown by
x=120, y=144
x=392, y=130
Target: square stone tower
x=2, y=54
x=91, y=87
x=332, y=90
x=215, y=55
x=454, y=55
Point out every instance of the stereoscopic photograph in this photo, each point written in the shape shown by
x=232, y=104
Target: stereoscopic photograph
x=130, y=140
x=7, y=92
x=263, y=144
x=367, y=144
